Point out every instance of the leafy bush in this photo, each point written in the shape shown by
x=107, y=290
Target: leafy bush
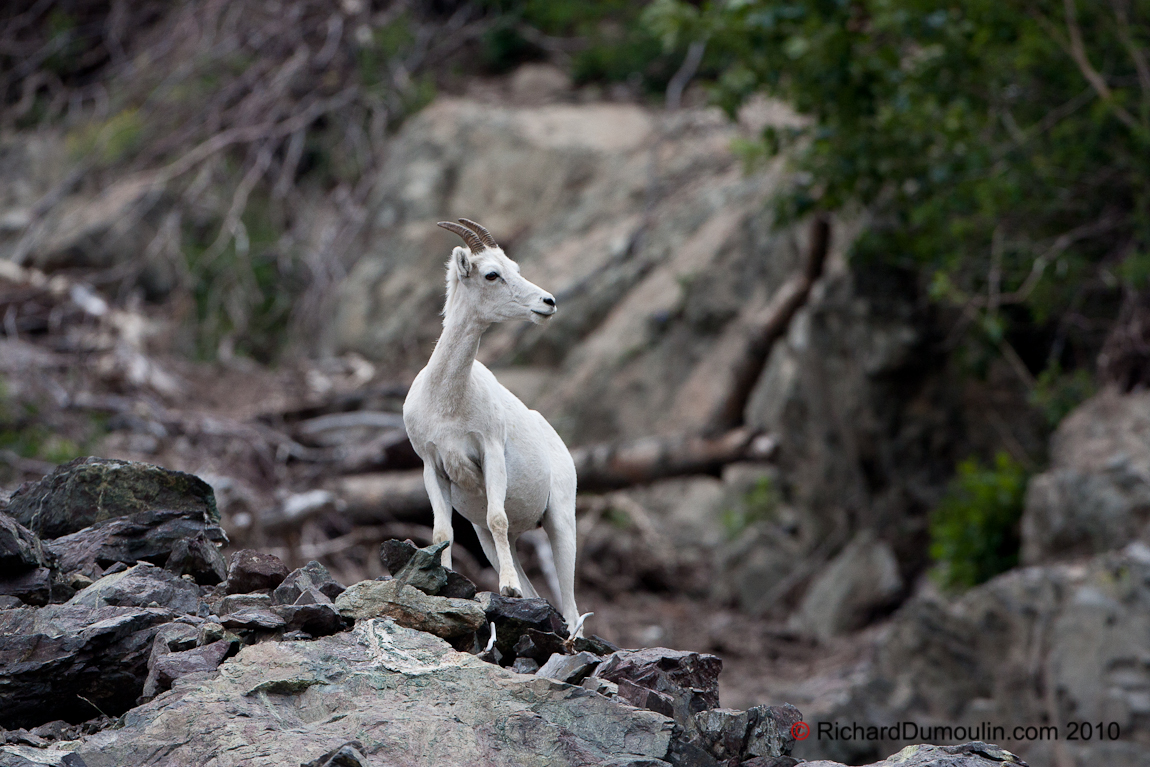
x=975, y=530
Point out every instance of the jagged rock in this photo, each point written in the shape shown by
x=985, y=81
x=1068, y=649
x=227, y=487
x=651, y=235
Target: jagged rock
x=199, y=558
x=140, y=586
x=673, y=682
x=251, y=570
x=975, y=659
x=443, y=616
x=7, y=602
x=210, y=631
x=770, y=761
x=311, y=575
x=235, y=602
x=539, y=645
x=33, y=587
x=572, y=669
x=513, y=617
x=146, y=535
x=596, y=645
x=174, y=637
x=51, y=655
x=643, y=697
x=85, y=491
x=168, y=667
x=347, y=755
x=760, y=731
x=405, y=694
x=862, y=580
x=1094, y=496
x=20, y=548
x=313, y=613
x=423, y=569
x=394, y=553
x=524, y=666
x=974, y=754
x=601, y=686
x=252, y=619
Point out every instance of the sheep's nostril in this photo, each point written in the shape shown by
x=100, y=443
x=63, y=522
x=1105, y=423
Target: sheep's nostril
x=549, y=301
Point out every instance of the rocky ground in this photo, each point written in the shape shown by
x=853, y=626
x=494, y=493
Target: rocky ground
x=152, y=650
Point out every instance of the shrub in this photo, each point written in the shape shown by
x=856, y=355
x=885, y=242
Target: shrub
x=975, y=529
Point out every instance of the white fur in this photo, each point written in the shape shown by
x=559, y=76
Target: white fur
x=500, y=465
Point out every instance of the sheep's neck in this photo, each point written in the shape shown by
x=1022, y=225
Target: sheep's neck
x=449, y=368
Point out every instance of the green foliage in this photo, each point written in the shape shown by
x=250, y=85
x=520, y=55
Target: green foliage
x=244, y=293
x=22, y=433
x=759, y=505
x=974, y=531
x=1008, y=166
x=615, y=47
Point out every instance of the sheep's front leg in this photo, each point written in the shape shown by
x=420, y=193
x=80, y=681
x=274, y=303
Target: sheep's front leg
x=495, y=478
x=439, y=491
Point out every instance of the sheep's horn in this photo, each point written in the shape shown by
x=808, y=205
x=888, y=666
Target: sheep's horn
x=484, y=235
x=468, y=236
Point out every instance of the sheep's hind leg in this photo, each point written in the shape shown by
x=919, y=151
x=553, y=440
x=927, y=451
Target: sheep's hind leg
x=559, y=522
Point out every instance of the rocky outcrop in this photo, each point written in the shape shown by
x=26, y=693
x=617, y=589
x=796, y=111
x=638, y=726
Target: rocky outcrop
x=1095, y=497
x=266, y=668
x=1056, y=645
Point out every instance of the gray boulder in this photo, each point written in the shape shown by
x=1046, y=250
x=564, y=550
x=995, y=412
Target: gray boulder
x=250, y=570
x=861, y=581
x=32, y=587
x=149, y=535
x=85, y=491
x=976, y=754
x=513, y=618
x=51, y=656
x=199, y=558
x=311, y=575
x=442, y=616
x=141, y=586
x=20, y=548
x=1040, y=645
x=1095, y=497
x=572, y=669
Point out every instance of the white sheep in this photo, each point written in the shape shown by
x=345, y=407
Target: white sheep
x=500, y=465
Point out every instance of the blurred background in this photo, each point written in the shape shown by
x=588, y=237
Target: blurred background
x=854, y=315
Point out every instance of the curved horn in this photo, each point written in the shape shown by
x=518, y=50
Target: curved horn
x=468, y=236
x=484, y=235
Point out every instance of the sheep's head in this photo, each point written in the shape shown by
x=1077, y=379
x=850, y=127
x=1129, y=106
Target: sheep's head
x=483, y=281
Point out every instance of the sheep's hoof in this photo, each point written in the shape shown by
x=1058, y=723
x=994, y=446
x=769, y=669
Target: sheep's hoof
x=511, y=591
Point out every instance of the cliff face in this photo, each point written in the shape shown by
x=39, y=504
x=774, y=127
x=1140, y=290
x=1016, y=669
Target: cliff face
x=642, y=224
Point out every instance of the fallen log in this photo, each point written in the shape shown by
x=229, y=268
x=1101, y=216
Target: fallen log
x=614, y=465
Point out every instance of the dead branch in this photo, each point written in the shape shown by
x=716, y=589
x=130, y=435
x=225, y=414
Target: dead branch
x=623, y=464
x=760, y=331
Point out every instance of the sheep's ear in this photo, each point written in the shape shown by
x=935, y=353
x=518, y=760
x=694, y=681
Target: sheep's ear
x=462, y=261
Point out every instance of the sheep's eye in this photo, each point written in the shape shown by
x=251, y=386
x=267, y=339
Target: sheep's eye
x=492, y=276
